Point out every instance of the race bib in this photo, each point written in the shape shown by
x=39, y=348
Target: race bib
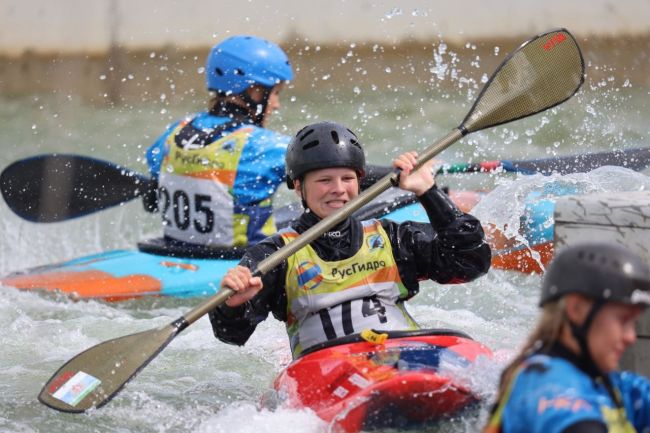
x=199, y=211
x=351, y=317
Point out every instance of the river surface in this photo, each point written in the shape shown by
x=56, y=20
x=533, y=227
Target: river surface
x=200, y=384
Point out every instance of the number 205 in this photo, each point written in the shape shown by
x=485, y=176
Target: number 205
x=186, y=210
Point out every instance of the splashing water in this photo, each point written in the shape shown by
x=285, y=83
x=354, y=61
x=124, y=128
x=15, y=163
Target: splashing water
x=200, y=384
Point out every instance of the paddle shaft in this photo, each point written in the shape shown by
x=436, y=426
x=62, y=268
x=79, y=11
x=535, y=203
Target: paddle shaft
x=23, y=181
x=322, y=226
x=633, y=158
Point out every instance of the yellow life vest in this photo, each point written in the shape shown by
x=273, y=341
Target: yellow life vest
x=195, y=190
x=327, y=300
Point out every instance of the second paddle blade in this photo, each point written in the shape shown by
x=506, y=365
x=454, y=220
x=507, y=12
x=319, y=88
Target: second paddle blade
x=542, y=73
x=51, y=188
x=93, y=377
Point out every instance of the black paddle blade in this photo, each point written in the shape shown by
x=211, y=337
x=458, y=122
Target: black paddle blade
x=51, y=188
x=634, y=159
x=93, y=377
x=542, y=73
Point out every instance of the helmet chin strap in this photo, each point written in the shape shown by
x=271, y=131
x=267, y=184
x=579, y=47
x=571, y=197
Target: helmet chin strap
x=580, y=332
x=256, y=109
x=302, y=195
x=251, y=110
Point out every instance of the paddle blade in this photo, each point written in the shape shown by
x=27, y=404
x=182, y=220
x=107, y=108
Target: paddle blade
x=543, y=72
x=51, y=188
x=633, y=158
x=93, y=377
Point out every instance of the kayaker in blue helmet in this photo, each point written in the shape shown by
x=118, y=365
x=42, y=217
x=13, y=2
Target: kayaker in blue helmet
x=359, y=274
x=218, y=170
x=565, y=379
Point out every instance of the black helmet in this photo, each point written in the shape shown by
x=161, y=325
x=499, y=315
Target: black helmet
x=601, y=271
x=323, y=145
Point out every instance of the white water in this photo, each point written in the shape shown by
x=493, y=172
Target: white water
x=200, y=384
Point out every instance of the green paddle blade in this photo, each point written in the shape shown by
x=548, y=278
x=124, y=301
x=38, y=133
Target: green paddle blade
x=542, y=73
x=93, y=377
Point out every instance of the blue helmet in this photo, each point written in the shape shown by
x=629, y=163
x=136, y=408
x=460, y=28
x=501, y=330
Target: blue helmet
x=241, y=61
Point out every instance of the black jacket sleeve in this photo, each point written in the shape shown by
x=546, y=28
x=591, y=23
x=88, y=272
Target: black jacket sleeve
x=452, y=249
x=235, y=325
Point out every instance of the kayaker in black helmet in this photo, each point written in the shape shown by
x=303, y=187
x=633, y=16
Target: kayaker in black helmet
x=357, y=275
x=565, y=379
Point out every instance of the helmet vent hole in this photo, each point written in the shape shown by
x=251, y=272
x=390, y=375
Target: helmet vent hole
x=310, y=144
x=354, y=140
x=218, y=71
x=305, y=135
x=335, y=136
x=238, y=71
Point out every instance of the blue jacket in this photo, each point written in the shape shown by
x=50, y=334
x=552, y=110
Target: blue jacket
x=260, y=169
x=551, y=394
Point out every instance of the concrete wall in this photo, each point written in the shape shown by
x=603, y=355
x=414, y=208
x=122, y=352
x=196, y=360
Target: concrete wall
x=65, y=26
x=622, y=218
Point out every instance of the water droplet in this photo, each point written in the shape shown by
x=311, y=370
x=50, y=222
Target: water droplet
x=393, y=13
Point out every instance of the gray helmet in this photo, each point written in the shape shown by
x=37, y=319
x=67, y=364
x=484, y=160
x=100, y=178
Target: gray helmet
x=323, y=145
x=601, y=271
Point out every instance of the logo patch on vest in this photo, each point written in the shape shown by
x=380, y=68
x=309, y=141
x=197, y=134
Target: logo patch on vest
x=229, y=145
x=375, y=241
x=309, y=275
x=358, y=267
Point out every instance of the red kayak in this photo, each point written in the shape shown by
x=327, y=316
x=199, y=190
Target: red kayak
x=406, y=380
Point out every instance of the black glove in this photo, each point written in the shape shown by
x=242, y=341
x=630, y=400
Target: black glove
x=150, y=197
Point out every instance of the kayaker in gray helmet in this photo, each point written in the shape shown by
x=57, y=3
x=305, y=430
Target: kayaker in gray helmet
x=565, y=379
x=359, y=274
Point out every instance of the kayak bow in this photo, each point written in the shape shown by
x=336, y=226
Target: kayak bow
x=408, y=379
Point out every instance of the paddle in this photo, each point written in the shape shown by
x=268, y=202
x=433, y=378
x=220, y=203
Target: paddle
x=543, y=72
x=57, y=187
x=633, y=158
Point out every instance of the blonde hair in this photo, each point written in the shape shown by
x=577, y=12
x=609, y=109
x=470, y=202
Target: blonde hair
x=545, y=335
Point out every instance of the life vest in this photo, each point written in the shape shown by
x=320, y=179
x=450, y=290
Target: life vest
x=195, y=185
x=327, y=300
x=574, y=398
